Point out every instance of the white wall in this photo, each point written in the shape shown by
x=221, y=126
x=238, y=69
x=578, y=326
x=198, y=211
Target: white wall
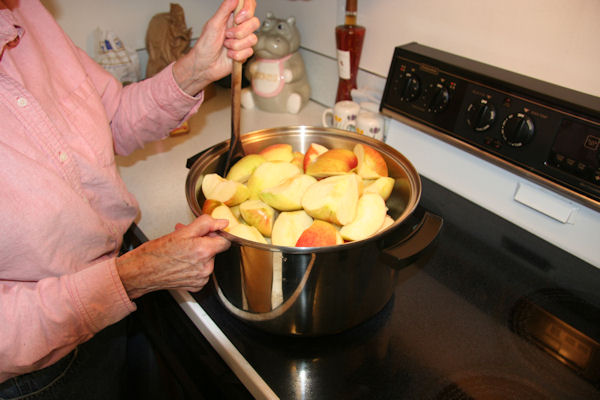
x=127, y=18
x=552, y=40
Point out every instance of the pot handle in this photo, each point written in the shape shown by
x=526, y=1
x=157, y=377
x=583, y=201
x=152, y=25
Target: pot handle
x=402, y=254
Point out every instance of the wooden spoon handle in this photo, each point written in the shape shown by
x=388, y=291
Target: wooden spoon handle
x=236, y=87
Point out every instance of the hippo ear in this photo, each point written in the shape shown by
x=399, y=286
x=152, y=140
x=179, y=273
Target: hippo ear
x=291, y=20
x=269, y=14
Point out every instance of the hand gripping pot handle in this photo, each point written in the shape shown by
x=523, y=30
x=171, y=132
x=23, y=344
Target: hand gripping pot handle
x=405, y=252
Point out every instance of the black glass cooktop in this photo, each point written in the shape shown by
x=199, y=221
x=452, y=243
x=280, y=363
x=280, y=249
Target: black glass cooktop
x=490, y=312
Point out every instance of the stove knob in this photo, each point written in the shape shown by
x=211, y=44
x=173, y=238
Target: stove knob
x=410, y=87
x=437, y=98
x=481, y=115
x=517, y=129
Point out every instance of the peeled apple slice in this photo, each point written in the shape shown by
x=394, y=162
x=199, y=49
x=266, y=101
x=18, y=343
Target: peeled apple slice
x=230, y=193
x=370, y=215
x=247, y=232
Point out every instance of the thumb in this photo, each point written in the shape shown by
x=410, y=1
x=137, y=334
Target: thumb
x=225, y=10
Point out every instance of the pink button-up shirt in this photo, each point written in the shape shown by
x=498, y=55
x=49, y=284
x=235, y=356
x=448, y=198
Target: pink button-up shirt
x=63, y=206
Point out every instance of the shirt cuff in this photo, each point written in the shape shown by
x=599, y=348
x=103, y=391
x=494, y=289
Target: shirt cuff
x=100, y=296
x=175, y=99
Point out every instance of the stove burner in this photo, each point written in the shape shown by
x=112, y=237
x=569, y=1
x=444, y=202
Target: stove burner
x=562, y=325
x=489, y=387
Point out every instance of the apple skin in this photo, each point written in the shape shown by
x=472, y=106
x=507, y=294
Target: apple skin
x=314, y=150
x=209, y=205
x=333, y=199
x=298, y=160
x=288, y=227
x=287, y=196
x=278, y=152
x=241, y=170
x=382, y=186
x=332, y=162
x=247, y=232
x=223, y=212
x=270, y=174
x=320, y=233
x=370, y=162
x=370, y=215
x=259, y=215
x=228, y=192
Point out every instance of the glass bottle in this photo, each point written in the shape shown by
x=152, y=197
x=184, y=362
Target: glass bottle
x=349, y=41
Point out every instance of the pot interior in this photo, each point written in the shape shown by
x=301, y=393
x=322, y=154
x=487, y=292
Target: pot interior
x=402, y=202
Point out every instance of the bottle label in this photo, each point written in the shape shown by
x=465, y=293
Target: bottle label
x=343, y=57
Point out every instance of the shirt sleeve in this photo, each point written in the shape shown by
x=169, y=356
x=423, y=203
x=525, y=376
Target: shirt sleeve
x=42, y=322
x=143, y=111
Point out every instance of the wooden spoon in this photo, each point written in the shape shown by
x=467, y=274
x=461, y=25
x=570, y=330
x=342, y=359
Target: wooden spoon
x=236, y=151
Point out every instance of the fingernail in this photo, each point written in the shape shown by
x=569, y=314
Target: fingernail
x=241, y=15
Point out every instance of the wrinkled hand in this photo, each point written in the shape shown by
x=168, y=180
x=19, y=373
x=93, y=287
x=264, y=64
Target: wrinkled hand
x=183, y=259
x=223, y=39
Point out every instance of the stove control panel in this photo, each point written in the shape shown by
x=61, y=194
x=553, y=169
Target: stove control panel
x=547, y=133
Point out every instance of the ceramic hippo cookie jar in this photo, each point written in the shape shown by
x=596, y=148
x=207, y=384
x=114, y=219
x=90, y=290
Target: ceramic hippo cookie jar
x=276, y=71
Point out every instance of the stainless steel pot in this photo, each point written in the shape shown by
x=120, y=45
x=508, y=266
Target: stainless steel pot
x=319, y=290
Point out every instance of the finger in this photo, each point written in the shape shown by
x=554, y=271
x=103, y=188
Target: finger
x=179, y=225
x=213, y=245
x=246, y=12
x=225, y=10
x=205, y=224
x=241, y=55
x=243, y=31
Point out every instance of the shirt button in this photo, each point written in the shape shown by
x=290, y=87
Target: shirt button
x=22, y=102
x=62, y=156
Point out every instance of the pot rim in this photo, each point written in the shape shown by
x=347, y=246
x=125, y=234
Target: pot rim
x=203, y=159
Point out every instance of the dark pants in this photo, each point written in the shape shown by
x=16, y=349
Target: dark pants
x=94, y=370
x=117, y=363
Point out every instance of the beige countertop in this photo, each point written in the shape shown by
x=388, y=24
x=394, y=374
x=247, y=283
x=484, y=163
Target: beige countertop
x=156, y=174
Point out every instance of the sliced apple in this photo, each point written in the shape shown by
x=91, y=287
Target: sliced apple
x=320, y=233
x=278, y=152
x=333, y=199
x=387, y=222
x=209, y=205
x=298, y=160
x=332, y=162
x=287, y=196
x=288, y=227
x=241, y=170
x=370, y=214
x=235, y=210
x=314, y=150
x=259, y=215
x=223, y=212
x=247, y=232
x=382, y=186
x=269, y=174
x=370, y=163
x=228, y=192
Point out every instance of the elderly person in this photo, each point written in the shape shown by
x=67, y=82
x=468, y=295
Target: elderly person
x=64, y=208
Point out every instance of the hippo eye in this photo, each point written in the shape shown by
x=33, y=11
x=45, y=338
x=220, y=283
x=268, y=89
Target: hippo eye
x=281, y=27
